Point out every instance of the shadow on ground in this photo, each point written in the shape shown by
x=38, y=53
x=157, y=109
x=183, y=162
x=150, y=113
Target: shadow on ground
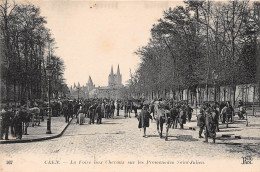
x=229, y=130
x=183, y=138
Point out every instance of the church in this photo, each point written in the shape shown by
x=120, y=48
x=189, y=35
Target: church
x=115, y=80
x=91, y=91
x=114, y=86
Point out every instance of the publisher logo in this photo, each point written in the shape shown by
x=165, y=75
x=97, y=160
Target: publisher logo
x=247, y=160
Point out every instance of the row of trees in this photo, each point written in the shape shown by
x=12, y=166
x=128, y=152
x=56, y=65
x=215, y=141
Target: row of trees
x=201, y=44
x=28, y=60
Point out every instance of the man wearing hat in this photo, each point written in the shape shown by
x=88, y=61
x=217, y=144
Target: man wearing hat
x=98, y=112
x=210, y=125
x=5, y=123
x=182, y=116
x=201, y=122
x=143, y=119
x=18, y=125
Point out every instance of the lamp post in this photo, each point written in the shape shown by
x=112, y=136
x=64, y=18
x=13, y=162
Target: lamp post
x=215, y=77
x=49, y=102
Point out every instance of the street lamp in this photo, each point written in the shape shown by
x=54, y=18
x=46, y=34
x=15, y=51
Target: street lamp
x=215, y=77
x=49, y=102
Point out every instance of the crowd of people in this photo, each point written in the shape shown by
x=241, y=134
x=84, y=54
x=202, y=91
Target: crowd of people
x=208, y=118
x=17, y=118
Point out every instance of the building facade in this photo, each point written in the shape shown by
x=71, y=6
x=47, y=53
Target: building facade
x=115, y=80
x=84, y=91
x=91, y=91
x=114, y=86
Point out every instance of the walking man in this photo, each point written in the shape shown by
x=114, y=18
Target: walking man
x=98, y=112
x=143, y=119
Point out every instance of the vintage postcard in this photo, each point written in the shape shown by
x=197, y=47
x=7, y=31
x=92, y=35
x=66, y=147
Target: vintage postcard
x=92, y=85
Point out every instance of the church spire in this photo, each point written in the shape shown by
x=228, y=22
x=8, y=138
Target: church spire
x=90, y=82
x=112, y=73
x=118, y=70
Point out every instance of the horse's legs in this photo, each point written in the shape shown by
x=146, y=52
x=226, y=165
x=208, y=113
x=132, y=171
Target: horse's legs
x=167, y=130
x=161, y=126
x=206, y=134
x=217, y=126
x=157, y=123
x=227, y=120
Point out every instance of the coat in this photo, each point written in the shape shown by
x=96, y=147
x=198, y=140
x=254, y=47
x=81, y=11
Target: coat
x=143, y=119
x=210, y=123
x=182, y=117
x=201, y=120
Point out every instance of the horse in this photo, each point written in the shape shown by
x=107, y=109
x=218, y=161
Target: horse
x=34, y=114
x=27, y=116
x=162, y=115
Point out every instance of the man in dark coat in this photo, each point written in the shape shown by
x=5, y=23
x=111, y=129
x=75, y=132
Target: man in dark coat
x=129, y=109
x=201, y=122
x=92, y=109
x=174, y=115
x=117, y=108
x=85, y=108
x=6, y=122
x=18, y=124
x=70, y=109
x=189, y=110
x=210, y=124
x=214, y=109
x=182, y=116
x=112, y=109
x=98, y=112
x=107, y=110
x=143, y=119
x=65, y=110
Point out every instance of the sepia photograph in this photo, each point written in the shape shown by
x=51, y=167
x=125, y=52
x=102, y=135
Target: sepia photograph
x=90, y=85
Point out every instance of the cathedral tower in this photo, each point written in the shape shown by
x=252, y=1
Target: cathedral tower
x=115, y=80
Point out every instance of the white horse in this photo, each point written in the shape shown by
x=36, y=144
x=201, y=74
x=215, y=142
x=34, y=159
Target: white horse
x=162, y=115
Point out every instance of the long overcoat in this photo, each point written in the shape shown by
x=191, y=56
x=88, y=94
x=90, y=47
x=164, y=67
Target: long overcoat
x=143, y=119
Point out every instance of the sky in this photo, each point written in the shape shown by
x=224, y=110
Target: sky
x=91, y=36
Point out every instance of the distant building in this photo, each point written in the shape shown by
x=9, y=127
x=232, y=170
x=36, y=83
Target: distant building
x=115, y=80
x=85, y=91
x=114, y=86
x=91, y=91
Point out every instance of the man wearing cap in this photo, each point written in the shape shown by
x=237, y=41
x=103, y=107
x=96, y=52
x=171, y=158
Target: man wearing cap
x=143, y=119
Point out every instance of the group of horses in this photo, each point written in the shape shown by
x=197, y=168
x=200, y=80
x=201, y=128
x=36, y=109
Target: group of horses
x=172, y=117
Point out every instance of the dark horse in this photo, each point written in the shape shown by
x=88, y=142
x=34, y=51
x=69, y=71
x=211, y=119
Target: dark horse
x=162, y=115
